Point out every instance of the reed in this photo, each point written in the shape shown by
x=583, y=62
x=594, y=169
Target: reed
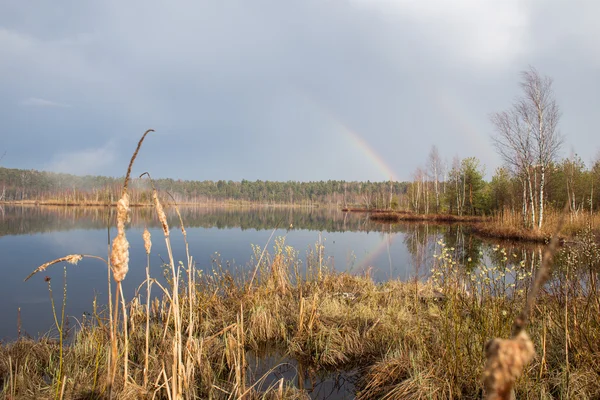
x=148, y=247
x=413, y=340
x=408, y=346
x=397, y=216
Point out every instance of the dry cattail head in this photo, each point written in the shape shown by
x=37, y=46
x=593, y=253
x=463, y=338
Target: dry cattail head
x=122, y=212
x=161, y=213
x=147, y=240
x=505, y=361
x=71, y=258
x=119, y=257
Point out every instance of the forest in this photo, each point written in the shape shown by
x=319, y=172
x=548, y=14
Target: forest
x=461, y=189
x=47, y=187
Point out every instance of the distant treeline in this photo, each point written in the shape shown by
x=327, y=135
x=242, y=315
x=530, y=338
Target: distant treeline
x=459, y=189
x=19, y=220
x=31, y=185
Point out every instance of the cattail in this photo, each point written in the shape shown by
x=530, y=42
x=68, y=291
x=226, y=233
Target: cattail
x=122, y=212
x=161, y=213
x=505, y=361
x=71, y=259
x=147, y=240
x=119, y=257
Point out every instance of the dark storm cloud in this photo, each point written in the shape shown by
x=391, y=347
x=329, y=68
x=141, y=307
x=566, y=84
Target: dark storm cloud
x=253, y=90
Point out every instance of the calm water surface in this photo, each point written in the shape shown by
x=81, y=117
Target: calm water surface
x=31, y=236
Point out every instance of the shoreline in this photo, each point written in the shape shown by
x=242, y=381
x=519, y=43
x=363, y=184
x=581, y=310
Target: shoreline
x=52, y=203
x=480, y=226
x=328, y=321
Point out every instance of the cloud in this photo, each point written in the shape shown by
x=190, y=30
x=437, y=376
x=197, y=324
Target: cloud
x=227, y=82
x=484, y=32
x=90, y=161
x=38, y=102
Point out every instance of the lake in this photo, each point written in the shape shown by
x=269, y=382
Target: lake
x=31, y=236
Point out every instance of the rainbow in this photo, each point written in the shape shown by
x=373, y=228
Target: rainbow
x=357, y=140
x=361, y=144
x=455, y=112
x=366, y=262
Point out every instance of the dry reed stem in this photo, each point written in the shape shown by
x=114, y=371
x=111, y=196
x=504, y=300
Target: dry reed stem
x=148, y=246
x=62, y=389
x=541, y=276
x=261, y=257
x=114, y=351
x=179, y=215
x=190, y=266
x=126, y=335
x=177, y=365
x=160, y=212
x=119, y=264
x=507, y=357
x=71, y=259
x=135, y=153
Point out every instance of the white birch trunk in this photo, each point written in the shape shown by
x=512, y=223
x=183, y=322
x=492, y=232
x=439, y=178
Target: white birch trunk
x=542, y=185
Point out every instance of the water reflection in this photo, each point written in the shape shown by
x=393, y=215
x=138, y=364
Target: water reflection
x=31, y=236
x=268, y=366
x=18, y=220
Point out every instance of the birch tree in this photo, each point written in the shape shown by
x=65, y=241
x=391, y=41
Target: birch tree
x=541, y=113
x=528, y=140
x=513, y=141
x=435, y=170
x=456, y=191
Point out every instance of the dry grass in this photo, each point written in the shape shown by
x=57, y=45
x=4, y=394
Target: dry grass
x=407, y=344
x=509, y=226
x=397, y=216
x=508, y=232
x=410, y=340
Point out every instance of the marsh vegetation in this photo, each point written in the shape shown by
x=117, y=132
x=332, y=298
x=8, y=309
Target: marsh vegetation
x=415, y=339
x=191, y=335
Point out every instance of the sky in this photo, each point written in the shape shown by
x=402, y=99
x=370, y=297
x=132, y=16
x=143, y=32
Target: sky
x=298, y=90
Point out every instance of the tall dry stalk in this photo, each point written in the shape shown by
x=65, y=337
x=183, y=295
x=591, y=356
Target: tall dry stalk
x=119, y=264
x=71, y=259
x=506, y=358
x=148, y=246
x=60, y=328
x=185, y=380
x=174, y=309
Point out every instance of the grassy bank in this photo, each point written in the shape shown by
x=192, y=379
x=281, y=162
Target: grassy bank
x=396, y=216
x=510, y=226
x=507, y=226
x=408, y=339
x=189, y=337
